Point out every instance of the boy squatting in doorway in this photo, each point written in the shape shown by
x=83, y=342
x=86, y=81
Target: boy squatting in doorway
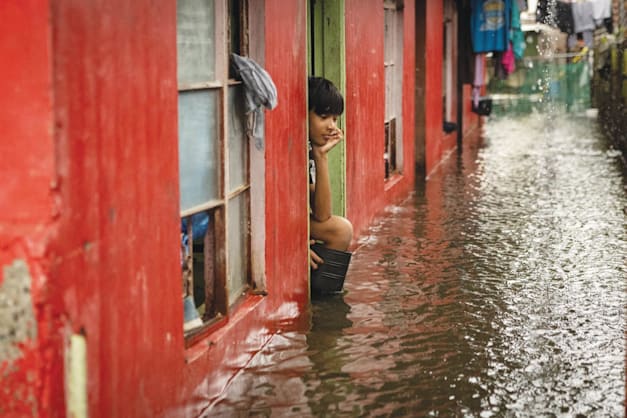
x=326, y=104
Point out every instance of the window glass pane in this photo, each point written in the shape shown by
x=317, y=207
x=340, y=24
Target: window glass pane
x=234, y=26
x=199, y=155
x=390, y=64
x=389, y=35
x=195, y=40
x=237, y=142
x=238, y=245
x=389, y=99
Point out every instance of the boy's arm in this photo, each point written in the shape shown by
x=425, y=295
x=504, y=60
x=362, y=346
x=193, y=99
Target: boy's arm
x=321, y=201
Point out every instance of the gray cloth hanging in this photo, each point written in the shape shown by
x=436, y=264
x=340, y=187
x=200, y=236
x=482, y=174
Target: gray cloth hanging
x=259, y=90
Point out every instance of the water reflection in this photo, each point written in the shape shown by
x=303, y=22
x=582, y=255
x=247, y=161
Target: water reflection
x=497, y=290
x=328, y=390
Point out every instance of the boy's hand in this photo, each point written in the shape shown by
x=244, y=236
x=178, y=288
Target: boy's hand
x=314, y=259
x=336, y=134
x=332, y=139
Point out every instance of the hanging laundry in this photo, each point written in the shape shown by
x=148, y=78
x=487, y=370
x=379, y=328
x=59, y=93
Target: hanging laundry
x=480, y=105
x=517, y=38
x=583, y=16
x=499, y=69
x=564, y=17
x=258, y=85
x=522, y=5
x=601, y=10
x=260, y=91
x=479, y=81
x=508, y=61
x=587, y=36
x=490, y=23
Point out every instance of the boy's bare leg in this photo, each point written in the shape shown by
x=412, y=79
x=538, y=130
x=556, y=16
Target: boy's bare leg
x=336, y=232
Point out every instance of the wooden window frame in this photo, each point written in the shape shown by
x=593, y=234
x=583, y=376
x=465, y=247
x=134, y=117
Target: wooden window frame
x=448, y=61
x=393, y=67
x=216, y=241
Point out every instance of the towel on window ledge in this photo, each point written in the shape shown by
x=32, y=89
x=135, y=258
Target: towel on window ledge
x=259, y=90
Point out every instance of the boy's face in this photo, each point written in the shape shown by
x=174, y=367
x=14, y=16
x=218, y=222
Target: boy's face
x=322, y=128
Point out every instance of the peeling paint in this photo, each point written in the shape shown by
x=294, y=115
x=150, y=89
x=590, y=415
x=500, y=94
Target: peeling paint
x=17, y=318
x=76, y=377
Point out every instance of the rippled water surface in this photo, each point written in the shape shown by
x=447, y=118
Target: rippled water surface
x=496, y=290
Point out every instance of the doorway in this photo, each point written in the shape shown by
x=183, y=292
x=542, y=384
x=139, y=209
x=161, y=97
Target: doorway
x=326, y=50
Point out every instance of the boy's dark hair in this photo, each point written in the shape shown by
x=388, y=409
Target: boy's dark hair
x=324, y=97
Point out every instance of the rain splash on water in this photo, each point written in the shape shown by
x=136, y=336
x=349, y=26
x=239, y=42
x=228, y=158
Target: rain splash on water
x=496, y=290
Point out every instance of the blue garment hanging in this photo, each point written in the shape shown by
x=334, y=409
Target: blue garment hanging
x=490, y=24
x=516, y=35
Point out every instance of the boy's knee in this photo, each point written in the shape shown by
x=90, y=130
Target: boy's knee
x=342, y=232
x=345, y=230
x=336, y=232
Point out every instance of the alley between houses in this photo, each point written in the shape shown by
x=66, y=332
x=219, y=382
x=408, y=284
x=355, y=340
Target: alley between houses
x=496, y=289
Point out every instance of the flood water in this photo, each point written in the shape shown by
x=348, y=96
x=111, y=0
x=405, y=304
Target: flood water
x=497, y=289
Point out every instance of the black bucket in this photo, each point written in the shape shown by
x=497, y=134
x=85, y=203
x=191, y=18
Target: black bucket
x=329, y=276
x=484, y=107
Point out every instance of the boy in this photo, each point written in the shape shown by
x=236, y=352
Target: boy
x=325, y=105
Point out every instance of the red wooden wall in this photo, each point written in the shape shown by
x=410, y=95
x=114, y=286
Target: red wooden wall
x=287, y=181
x=437, y=142
x=90, y=193
x=27, y=206
x=365, y=110
x=409, y=112
x=101, y=173
x=116, y=258
x=367, y=191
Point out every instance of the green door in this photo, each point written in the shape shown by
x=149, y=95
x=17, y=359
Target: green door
x=326, y=59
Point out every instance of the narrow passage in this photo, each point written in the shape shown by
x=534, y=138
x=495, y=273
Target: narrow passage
x=497, y=289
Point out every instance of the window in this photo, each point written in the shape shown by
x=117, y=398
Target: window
x=448, y=35
x=393, y=67
x=214, y=161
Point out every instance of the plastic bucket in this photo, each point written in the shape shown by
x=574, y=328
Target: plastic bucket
x=329, y=276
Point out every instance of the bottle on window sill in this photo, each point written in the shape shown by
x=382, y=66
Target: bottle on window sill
x=191, y=318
